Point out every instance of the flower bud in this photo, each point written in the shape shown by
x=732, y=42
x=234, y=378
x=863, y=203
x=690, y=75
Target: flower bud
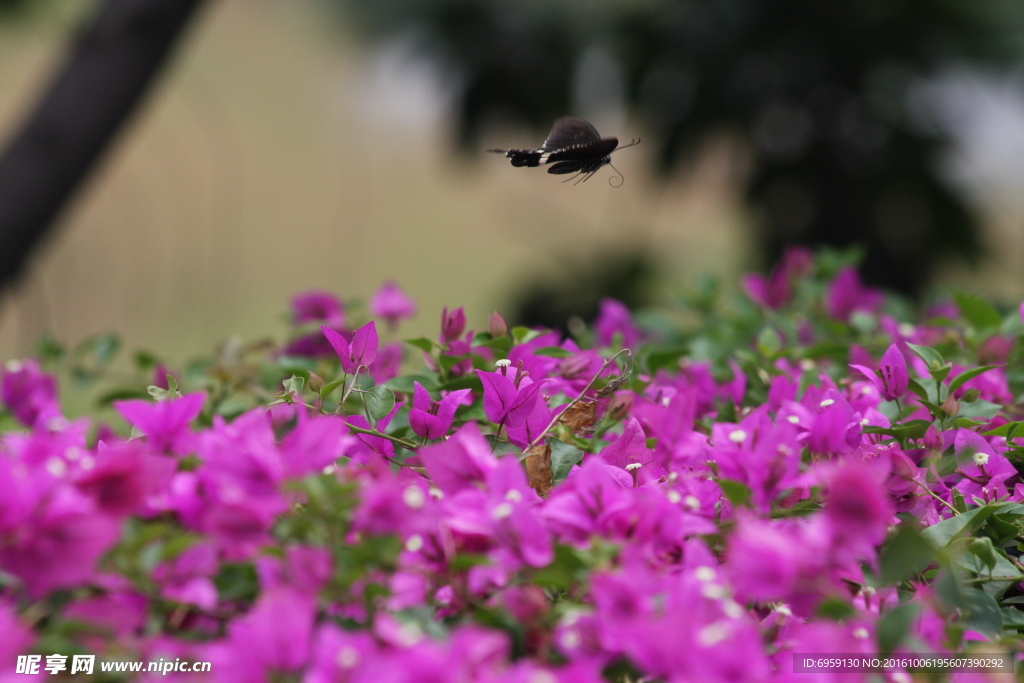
x=951, y=406
x=932, y=439
x=619, y=405
x=316, y=383
x=496, y=325
x=970, y=396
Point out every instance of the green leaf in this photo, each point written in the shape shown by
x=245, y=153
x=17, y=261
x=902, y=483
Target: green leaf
x=235, y=404
x=769, y=343
x=448, y=362
x=296, y=365
x=563, y=457
x=293, y=385
x=328, y=388
x=736, y=492
x=922, y=389
x=1007, y=430
x=968, y=375
x=404, y=383
x=835, y=609
x=236, y=582
x=423, y=344
x=1013, y=617
x=500, y=344
x=895, y=624
x=967, y=423
x=837, y=350
x=981, y=613
x=940, y=535
x=565, y=571
x=930, y=356
x=983, y=410
x=120, y=394
x=465, y=382
x=379, y=402
x=102, y=348
x=660, y=358
x=978, y=312
x=982, y=548
x=522, y=335
x=553, y=352
x=904, y=554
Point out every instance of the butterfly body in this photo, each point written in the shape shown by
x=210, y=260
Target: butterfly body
x=572, y=146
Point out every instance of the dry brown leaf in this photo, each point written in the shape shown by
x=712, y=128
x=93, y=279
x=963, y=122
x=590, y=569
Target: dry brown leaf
x=538, y=468
x=579, y=415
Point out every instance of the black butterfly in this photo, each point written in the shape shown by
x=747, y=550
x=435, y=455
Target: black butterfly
x=573, y=146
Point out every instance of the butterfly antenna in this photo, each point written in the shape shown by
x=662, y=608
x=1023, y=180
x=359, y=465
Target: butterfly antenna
x=623, y=178
x=631, y=144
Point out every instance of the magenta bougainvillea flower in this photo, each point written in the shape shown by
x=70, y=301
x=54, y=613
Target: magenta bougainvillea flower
x=358, y=353
x=892, y=378
x=530, y=507
x=165, y=423
x=391, y=304
x=776, y=290
x=847, y=294
x=452, y=324
x=432, y=419
x=318, y=307
x=614, y=318
x=29, y=393
x=508, y=401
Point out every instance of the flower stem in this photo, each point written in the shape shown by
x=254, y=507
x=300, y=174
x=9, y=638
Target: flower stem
x=554, y=420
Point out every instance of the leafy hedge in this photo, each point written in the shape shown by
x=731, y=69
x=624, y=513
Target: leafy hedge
x=812, y=468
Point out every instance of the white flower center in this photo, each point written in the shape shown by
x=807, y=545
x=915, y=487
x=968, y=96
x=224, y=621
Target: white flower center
x=414, y=544
x=980, y=459
x=713, y=634
x=503, y=363
x=502, y=511
x=704, y=573
x=348, y=657
x=738, y=436
x=413, y=497
x=56, y=466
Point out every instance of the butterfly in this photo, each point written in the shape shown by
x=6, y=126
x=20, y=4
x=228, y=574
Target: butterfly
x=573, y=146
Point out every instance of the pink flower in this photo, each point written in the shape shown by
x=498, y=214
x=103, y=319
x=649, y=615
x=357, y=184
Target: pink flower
x=29, y=393
x=847, y=294
x=360, y=352
x=452, y=324
x=392, y=304
x=775, y=291
x=316, y=306
x=614, y=318
x=387, y=363
x=164, y=423
x=432, y=419
x=506, y=401
x=892, y=379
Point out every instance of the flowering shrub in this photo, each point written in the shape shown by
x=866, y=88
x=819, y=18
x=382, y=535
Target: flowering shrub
x=696, y=498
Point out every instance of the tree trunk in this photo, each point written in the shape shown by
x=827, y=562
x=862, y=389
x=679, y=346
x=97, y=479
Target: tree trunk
x=90, y=98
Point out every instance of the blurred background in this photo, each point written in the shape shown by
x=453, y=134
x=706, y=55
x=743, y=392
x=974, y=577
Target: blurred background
x=289, y=145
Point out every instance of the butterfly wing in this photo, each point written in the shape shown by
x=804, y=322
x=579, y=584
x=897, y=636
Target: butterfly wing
x=563, y=167
x=570, y=131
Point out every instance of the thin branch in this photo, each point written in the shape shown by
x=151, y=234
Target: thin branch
x=576, y=400
x=408, y=445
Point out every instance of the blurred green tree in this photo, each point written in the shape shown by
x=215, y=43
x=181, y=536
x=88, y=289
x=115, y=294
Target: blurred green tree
x=821, y=90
